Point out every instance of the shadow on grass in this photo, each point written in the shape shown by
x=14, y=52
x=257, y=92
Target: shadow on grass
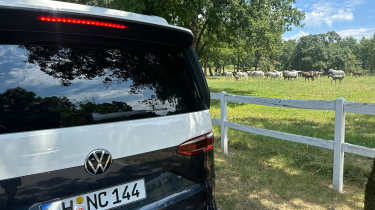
x=216, y=104
x=360, y=130
x=291, y=174
x=309, y=159
x=233, y=91
x=262, y=173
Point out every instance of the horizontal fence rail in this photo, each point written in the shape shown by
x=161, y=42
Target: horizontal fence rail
x=359, y=108
x=338, y=145
x=284, y=136
x=301, y=104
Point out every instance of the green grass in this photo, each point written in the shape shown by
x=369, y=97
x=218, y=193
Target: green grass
x=263, y=173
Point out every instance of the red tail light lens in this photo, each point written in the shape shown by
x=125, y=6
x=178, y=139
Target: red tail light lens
x=197, y=145
x=81, y=21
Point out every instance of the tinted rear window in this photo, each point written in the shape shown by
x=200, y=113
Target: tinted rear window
x=46, y=86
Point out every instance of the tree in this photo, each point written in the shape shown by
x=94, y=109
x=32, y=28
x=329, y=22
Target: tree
x=286, y=55
x=247, y=28
x=205, y=18
x=341, y=58
x=321, y=52
x=268, y=20
x=103, y=3
x=310, y=54
x=367, y=53
x=370, y=191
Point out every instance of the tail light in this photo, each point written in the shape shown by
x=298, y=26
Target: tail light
x=197, y=145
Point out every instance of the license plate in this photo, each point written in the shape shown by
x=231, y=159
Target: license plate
x=102, y=199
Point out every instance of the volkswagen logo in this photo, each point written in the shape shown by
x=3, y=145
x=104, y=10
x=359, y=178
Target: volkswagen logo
x=98, y=161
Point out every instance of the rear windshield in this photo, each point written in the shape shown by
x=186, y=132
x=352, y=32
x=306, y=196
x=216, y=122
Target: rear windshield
x=45, y=86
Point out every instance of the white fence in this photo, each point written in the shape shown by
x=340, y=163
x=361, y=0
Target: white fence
x=340, y=106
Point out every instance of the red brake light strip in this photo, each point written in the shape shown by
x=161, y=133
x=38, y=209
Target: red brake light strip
x=82, y=22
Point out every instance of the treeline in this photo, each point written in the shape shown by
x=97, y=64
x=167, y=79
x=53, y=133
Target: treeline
x=319, y=52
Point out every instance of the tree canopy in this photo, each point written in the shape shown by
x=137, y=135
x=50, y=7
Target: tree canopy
x=247, y=34
x=321, y=52
x=242, y=31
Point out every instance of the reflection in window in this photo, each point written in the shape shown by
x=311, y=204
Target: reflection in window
x=45, y=87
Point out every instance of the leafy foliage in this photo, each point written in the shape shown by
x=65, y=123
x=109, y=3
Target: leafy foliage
x=246, y=35
x=238, y=32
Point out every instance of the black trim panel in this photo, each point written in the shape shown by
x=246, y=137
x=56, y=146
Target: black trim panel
x=27, y=20
x=165, y=172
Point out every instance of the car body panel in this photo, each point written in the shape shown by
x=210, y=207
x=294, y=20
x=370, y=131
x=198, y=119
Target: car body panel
x=45, y=143
x=66, y=7
x=34, y=152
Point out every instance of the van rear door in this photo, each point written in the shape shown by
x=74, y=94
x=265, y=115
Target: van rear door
x=97, y=113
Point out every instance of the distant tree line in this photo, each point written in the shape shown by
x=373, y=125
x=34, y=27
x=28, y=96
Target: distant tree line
x=319, y=52
x=322, y=52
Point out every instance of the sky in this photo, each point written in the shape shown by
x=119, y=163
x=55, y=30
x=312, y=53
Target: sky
x=354, y=18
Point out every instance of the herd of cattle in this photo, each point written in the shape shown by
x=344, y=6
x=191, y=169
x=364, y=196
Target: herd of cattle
x=288, y=75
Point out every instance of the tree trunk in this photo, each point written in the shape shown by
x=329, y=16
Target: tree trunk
x=205, y=67
x=209, y=68
x=370, y=191
x=238, y=63
x=257, y=59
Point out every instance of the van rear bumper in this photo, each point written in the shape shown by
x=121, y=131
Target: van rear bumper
x=194, y=197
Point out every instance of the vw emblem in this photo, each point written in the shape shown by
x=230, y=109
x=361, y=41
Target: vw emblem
x=98, y=161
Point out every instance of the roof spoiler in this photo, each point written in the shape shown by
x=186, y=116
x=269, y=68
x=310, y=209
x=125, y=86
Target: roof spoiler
x=29, y=20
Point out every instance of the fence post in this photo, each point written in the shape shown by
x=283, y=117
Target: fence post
x=224, y=129
x=338, y=154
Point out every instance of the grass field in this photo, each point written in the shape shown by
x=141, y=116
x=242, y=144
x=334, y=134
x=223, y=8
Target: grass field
x=266, y=173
